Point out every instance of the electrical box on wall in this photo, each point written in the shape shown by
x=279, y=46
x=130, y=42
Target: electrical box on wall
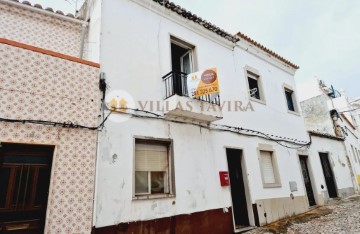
x=224, y=178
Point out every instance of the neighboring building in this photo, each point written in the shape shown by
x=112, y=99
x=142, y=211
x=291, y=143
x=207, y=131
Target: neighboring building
x=48, y=97
x=328, y=116
x=161, y=153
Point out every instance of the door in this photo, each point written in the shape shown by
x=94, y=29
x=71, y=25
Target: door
x=24, y=185
x=328, y=174
x=307, y=180
x=186, y=62
x=186, y=67
x=237, y=187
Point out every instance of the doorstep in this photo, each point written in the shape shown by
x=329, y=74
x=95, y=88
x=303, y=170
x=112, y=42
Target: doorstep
x=244, y=229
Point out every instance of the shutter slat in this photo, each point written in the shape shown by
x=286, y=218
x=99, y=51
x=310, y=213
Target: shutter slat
x=267, y=167
x=150, y=157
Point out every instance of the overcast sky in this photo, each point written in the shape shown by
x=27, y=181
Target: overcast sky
x=321, y=36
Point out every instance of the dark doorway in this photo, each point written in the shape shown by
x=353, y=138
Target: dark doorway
x=24, y=185
x=182, y=65
x=237, y=188
x=307, y=180
x=328, y=174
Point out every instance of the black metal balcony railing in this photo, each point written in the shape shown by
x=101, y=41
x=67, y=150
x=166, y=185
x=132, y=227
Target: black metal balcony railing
x=175, y=83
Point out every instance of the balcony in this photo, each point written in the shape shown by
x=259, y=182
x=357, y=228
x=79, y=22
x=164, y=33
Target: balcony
x=178, y=103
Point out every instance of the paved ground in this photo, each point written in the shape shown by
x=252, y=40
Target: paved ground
x=340, y=217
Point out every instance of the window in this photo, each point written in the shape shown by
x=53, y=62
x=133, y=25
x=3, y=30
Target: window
x=269, y=172
x=353, y=152
x=182, y=56
x=182, y=63
x=152, y=168
x=357, y=154
x=254, y=86
x=289, y=99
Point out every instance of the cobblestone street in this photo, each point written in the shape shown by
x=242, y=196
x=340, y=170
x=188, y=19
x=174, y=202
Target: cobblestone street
x=340, y=217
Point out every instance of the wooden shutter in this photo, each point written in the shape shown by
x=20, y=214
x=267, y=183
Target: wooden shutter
x=267, y=167
x=151, y=157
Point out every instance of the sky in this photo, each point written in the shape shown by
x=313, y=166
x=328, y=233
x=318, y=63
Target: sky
x=321, y=36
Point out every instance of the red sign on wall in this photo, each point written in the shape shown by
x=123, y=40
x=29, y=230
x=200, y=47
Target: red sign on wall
x=224, y=178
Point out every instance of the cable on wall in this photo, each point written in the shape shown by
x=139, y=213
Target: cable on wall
x=218, y=127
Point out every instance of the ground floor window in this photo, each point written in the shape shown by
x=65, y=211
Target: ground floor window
x=269, y=172
x=152, y=167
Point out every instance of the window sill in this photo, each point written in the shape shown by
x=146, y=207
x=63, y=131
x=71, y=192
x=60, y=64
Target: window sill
x=272, y=185
x=294, y=112
x=257, y=100
x=152, y=196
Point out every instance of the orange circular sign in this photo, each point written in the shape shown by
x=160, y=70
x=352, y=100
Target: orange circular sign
x=208, y=76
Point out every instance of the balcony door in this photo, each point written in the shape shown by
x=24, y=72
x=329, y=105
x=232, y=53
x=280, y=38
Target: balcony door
x=186, y=62
x=182, y=62
x=24, y=185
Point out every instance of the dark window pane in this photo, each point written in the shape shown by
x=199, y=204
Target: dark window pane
x=42, y=186
x=289, y=100
x=27, y=159
x=21, y=184
x=17, y=188
x=254, y=88
x=4, y=182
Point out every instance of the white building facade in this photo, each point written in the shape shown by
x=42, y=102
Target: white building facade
x=164, y=158
x=328, y=118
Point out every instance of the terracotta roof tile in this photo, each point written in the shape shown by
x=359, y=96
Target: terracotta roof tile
x=188, y=15
x=193, y=17
x=325, y=135
x=46, y=9
x=248, y=39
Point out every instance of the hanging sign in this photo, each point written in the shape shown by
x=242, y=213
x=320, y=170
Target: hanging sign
x=203, y=83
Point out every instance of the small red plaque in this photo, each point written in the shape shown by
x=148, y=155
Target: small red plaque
x=224, y=178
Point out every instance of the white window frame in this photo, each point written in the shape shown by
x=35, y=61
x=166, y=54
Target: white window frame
x=269, y=148
x=186, y=45
x=288, y=88
x=170, y=173
x=254, y=74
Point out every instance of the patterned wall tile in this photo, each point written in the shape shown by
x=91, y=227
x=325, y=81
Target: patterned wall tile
x=40, y=30
x=42, y=87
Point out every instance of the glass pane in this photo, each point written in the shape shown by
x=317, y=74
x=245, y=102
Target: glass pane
x=17, y=189
x=27, y=159
x=186, y=63
x=254, y=88
x=42, y=187
x=21, y=184
x=157, y=182
x=4, y=182
x=289, y=100
x=141, y=182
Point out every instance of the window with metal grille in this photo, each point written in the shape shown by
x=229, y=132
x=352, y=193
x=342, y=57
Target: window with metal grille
x=254, y=87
